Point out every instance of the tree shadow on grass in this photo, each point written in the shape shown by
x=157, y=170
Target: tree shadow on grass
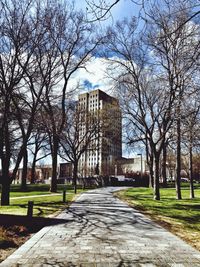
x=45, y=208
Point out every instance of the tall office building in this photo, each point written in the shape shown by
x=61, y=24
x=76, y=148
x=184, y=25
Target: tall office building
x=106, y=146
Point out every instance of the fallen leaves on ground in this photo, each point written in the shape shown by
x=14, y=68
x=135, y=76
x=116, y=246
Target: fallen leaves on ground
x=11, y=238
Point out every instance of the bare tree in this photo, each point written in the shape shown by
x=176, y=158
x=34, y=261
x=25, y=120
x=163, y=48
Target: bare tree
x=38, y=143
x=15, y=58
x=191, y=132
x=80, y=134
x=176, y=49
x=147, y=103
x=102, y=10
x=68, y=45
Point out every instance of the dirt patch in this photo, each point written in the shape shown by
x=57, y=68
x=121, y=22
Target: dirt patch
x=11, y=238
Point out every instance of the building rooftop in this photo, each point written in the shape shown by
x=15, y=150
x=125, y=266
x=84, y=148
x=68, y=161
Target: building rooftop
x=101, y=93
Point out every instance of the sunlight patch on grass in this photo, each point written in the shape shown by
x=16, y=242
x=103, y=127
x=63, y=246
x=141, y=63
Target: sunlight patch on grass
x=43, y=206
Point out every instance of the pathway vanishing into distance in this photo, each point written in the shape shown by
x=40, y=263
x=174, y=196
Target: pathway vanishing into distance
x=99, y=230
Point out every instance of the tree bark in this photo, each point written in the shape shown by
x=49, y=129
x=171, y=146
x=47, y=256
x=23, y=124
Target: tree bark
x=24, y=171
x=156, y=178
x=19, y=158
x=33, y=169
x=151, y=172
x=75, y=170
x=5, y=159
x=178, y=161
x=5, y=192
x=149, y=158
x=53, y=187
x=33, y=172
x=191, y=172
x=164, y=173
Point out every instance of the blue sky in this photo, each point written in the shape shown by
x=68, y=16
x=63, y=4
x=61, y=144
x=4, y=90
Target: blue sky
x=95, y=77
x=123, y=9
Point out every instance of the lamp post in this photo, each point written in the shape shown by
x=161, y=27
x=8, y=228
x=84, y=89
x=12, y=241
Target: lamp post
x=141, y=164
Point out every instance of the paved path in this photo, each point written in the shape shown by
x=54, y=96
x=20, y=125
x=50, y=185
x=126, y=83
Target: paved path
x=102, y=231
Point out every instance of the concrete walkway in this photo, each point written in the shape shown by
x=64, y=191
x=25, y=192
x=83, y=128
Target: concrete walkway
x=101, y=231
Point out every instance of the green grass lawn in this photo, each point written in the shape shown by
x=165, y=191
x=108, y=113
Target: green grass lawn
x=36, y=189
x=180, y=216
x=44, y=205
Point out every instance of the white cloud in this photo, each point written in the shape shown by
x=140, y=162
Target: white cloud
x=95, y=73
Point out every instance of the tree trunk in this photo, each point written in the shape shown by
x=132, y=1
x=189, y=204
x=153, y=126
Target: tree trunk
x=151, y=172
x=75, y=170
x=5, y=192
x=164, y=173
x=5, y=159
x=33, y=169
x=53, y=187
x=19, y=158
x=191, y=172
x=24, y=171
x=156, y=178
x=149, y=158
x=178, y=161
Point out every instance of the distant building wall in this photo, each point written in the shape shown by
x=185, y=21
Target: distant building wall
x=101, y=155
x=130, y=165
x=42, y=173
